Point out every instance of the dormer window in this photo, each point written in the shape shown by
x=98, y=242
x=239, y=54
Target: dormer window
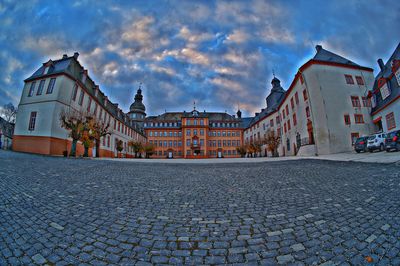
x=84, y=76
x=397, y=74
x=385, y=92
x=46, y=70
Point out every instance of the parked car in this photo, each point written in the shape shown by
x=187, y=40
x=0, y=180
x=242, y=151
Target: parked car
x=376, y=142
x=393, y=141
x=361, y=144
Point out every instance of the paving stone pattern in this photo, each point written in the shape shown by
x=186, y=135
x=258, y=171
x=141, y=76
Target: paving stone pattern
x=60, y=211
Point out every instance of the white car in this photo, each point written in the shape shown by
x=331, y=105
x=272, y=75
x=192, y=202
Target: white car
x=376, y=142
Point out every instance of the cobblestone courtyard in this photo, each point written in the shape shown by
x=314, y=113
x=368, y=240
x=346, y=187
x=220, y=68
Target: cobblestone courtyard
x=65, y=211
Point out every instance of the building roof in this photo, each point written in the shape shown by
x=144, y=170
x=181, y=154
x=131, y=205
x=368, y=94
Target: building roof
x=386, y=75
x=6, y=128
x=327, y=56
x=212, y=117
x=70, y=66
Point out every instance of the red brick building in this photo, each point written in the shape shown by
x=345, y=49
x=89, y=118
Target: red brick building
x=195, y=134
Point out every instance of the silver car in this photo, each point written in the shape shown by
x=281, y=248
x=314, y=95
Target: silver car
x=376, y=142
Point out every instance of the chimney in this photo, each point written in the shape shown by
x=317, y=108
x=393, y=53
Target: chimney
x=381, y=64
x=65, y=56
x=318, y=48
x=76, y=54
x=96, y=90
x=256, y=114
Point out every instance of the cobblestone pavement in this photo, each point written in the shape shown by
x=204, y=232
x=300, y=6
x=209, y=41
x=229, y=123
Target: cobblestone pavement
x=74, y=211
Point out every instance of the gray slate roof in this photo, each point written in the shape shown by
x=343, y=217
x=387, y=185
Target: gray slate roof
x=392, y=83
x=327, y=56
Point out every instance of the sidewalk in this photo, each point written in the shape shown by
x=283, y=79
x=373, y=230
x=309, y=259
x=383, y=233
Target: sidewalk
x=376, y=157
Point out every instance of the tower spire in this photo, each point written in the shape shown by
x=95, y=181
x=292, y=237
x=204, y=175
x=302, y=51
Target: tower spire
x=194, y=105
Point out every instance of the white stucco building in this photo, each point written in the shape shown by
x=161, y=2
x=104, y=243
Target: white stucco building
x=385, y=94
x=324, y=109
x=64, y=84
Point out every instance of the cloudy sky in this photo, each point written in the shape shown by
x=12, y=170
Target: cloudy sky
x=219, y=53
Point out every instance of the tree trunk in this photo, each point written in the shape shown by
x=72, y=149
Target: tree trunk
x=97, y=148
x=86, y=152
x=73, y=148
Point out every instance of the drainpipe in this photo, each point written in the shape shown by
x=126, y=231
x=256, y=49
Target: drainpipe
x=312, y=112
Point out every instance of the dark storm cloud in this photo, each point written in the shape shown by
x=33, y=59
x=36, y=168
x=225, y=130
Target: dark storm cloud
x=219, y=53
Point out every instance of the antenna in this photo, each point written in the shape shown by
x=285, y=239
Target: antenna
x=194, y=105
x=273, y=72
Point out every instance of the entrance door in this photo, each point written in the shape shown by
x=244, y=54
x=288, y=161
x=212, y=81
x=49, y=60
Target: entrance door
x=170, y=154
x=94, y=151
x=219, y=154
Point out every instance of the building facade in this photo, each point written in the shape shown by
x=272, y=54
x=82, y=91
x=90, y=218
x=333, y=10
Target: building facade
x=64, y=84
x=323, y=111
x=385, y=95
x=195, y=134
x=6, y=134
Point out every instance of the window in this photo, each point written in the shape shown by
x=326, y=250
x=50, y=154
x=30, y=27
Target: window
x=32, y=89
x=287, y=109
x=51, y=86
x=347, y=120
x=108, y=141
x=89, y=104
x=75, y=92
x=349, y=79
x=296, y=97
x=188, y=142
x=81, y=98
x=201, y=132
x=201, y=122
x=294, y=120
x=292, y=103
x=170, y=143
x=385, y=92
x=305, y=95
x=288, y=124
x=355, y=100
x=40, y=89
x=366, y=102
x=359, y=119
x=359, y=80
x=307, y=111
x=277, y=119
x=32, y=121
x=398, y=76
x=195, y=132
x=390, y=122
x=187, y=132
x=170, y=133
x=285, y=128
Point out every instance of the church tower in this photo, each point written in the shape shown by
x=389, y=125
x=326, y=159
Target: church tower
x=275, y=96
x=137, y=111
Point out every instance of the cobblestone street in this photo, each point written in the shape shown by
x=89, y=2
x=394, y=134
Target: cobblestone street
x=301, y=212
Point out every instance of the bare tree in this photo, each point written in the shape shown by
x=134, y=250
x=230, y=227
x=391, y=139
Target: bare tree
x=98, y=129
x=137, y=147
x=272, y=141
x=74, y=122
x=149, y=150
x=9, y=112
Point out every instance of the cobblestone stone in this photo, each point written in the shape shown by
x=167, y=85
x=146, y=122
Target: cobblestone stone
x=93, y=212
